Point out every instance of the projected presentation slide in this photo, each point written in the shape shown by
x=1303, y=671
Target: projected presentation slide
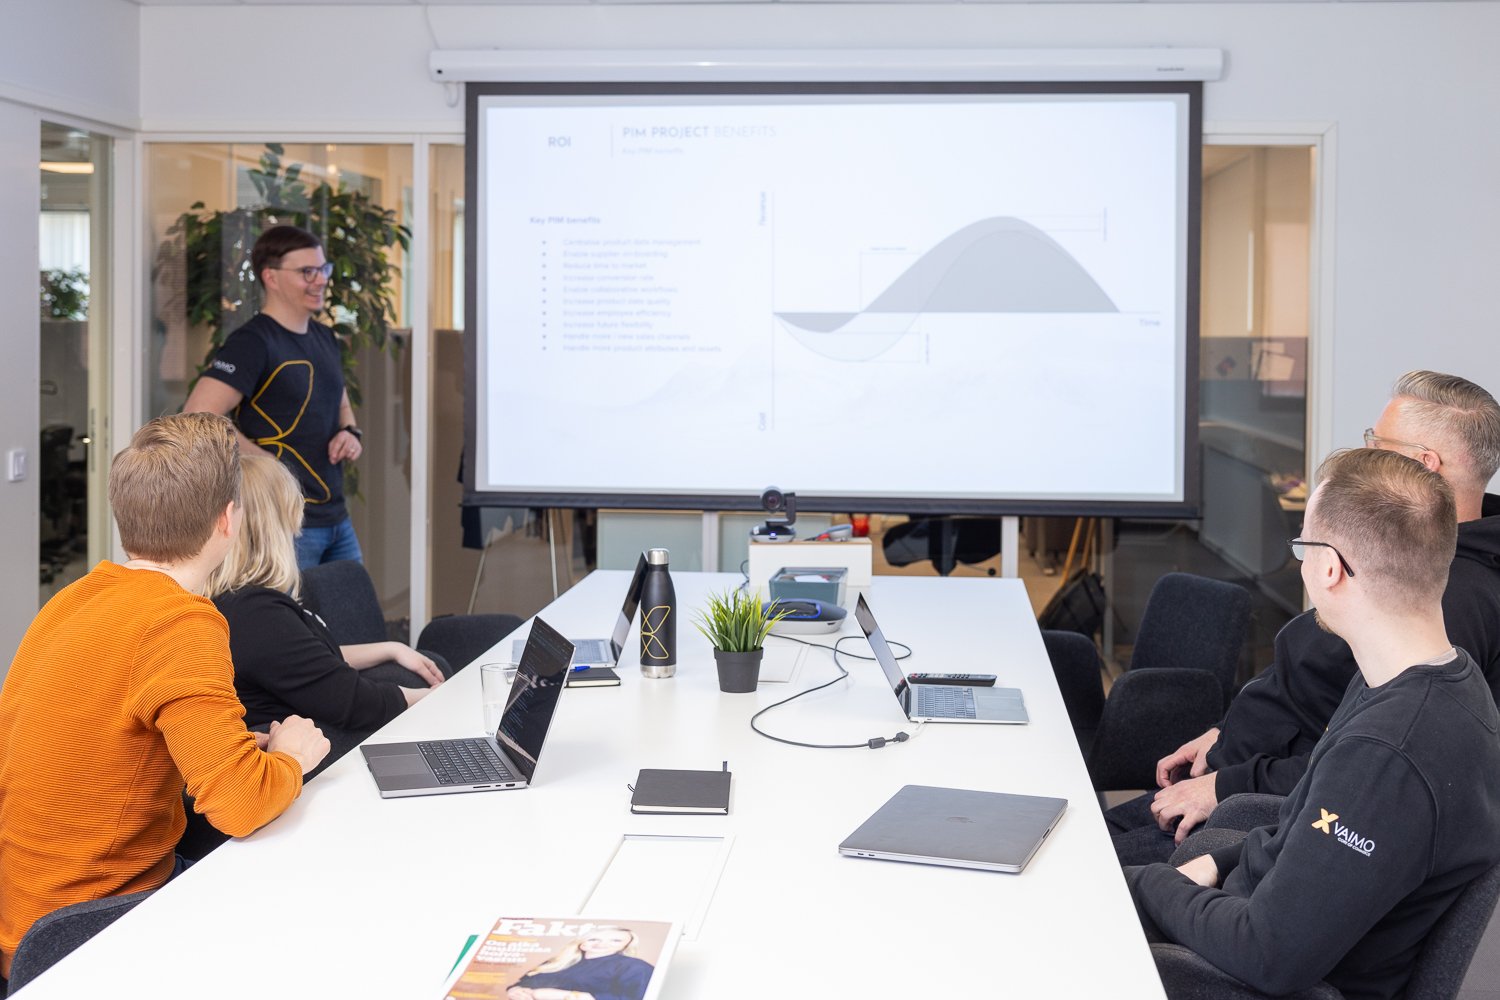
x=976, y=296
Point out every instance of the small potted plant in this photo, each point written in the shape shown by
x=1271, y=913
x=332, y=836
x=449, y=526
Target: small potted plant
x=736, y=623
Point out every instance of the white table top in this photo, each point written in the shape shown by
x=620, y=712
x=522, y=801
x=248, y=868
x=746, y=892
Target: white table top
x=351, y=895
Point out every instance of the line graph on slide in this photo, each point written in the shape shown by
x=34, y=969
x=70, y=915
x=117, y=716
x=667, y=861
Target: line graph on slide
x=997, y=265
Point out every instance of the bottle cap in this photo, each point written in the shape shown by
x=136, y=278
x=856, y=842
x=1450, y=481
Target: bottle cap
x=657, y=557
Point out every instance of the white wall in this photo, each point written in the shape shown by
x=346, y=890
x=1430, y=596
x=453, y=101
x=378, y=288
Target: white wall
x=76, y=61
x=1412, y=90
x=76, y=57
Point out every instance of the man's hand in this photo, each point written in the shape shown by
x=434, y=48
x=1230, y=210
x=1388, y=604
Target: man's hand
x=344, y=445
x=414, y=695
x=1191, y=800
x=301, y=739
x=1193, y=754
x=262, y=740
x=1202, y=870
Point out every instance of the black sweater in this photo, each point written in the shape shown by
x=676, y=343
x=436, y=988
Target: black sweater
x=286, y=663
x=1277, y=718
x=1399, y=809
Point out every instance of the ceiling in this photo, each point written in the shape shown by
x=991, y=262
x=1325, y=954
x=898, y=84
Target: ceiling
x=560, y=3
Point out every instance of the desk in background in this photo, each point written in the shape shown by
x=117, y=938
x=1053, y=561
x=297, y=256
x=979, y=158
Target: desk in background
x=350, y=895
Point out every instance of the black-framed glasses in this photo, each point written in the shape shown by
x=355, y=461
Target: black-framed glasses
x=310, y=273
x=1373, y=440
x=1299, y=551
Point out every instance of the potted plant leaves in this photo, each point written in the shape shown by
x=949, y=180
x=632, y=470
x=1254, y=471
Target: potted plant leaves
x=736, y=623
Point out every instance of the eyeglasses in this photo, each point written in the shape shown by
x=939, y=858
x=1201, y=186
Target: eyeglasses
x=1299, y=552
x=1373, y=440
x=309, y=274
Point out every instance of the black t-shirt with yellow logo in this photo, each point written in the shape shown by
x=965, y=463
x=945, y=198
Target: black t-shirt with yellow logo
x=293, y=384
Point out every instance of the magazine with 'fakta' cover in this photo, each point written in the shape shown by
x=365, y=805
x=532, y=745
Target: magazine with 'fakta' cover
x=522, y=958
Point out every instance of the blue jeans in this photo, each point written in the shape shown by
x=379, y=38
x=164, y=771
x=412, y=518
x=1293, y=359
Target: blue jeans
x=321, y=545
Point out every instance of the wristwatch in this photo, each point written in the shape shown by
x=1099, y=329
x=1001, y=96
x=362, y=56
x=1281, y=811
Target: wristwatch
x=353, y=430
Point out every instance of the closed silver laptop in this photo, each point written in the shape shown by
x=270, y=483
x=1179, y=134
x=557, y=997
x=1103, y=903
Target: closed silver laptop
x=957, y=827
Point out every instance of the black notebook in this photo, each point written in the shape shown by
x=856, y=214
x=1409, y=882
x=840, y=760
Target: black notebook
x=670, y=791
x=594, y=677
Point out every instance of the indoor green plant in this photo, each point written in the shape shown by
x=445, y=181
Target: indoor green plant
x=737, y=623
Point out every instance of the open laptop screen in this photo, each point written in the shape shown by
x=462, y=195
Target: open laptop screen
x=627, y=613
x=533, y=696
x=878, y=646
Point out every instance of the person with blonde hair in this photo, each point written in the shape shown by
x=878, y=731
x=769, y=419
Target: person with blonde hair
x=285, y=660
x=121, y=696
x=601, y=965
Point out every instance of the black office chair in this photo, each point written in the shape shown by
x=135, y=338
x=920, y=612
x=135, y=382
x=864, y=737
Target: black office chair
x=947, y=541
x=1193, y=621
x=53, y=937
x=1437, y=974
x=1075, y=664
x=1149, y=713
x=343, y=595
x=461, y=639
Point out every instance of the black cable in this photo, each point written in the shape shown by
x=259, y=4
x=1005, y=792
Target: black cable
x=841, y=652
x=874, y=743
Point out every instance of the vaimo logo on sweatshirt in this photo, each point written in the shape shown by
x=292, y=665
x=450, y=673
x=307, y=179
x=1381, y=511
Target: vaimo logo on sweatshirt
x=1330, y=826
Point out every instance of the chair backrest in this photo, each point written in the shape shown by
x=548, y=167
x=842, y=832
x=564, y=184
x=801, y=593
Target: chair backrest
x=460, y=639
x=1075, y=663
x=1439, y=970
x=54, y=936
x=1193, y=621
x=343, y=595
x=1149, y=713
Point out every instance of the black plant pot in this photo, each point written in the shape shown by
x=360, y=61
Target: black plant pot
x=738, y=672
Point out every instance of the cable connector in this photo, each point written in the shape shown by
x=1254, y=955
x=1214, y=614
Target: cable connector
x=879, y=741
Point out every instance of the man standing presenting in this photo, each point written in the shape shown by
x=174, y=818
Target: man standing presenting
x=280, y=377
x=122, y=694
x=1399, y=808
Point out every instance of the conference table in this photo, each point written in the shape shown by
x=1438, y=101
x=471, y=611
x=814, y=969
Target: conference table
x=351, y=895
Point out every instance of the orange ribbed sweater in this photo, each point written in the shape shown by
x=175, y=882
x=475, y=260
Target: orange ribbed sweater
x=121, y=692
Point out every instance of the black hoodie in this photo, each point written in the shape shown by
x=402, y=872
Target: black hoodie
x=1279, y=716
x=1373, y=845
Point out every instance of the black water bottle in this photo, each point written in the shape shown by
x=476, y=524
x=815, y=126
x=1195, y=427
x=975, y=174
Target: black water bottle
x=658, y=618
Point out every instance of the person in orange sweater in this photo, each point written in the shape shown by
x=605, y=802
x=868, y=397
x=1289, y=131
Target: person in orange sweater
x=122, y=694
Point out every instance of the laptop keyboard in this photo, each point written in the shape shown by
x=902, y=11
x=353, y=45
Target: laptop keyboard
x=945, y=701
x=465, y=762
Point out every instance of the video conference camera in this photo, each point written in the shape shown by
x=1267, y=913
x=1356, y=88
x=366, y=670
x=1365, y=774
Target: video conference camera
x=783, y=510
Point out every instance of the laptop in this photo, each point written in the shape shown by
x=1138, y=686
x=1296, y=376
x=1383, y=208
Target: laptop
x=940, y=702
x=958, y=827
x=506, y=760
x=605, y=652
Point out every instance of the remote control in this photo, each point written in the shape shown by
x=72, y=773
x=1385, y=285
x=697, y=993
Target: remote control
x=970, y=680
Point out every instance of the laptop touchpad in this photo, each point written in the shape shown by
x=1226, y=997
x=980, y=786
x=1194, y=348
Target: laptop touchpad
x=401, y=766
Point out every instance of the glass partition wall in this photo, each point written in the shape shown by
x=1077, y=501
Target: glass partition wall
x=1257, y=216
x=73, y=387
x=206, y=203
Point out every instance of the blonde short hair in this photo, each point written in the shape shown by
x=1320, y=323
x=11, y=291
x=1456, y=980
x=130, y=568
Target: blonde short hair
x=172, y=483
x=1394, y=520
x=263, y=554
